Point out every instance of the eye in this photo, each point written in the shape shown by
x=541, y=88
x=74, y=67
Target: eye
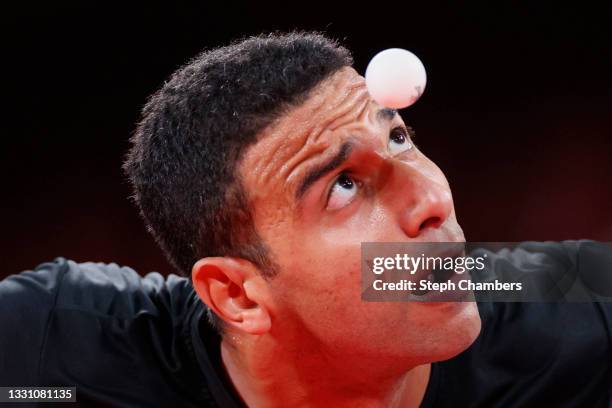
x=399, y=140
x=344, y=190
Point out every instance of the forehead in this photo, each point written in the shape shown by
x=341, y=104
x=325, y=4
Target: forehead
x=304, y=133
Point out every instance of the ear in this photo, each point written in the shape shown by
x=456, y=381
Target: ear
x=235, y=290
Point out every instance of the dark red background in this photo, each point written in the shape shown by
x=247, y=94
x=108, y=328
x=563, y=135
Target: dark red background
x=516, y=112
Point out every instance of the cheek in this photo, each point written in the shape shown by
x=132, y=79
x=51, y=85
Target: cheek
x=319, y=280
x=320, y=293
x=324, y=269
x=371, y=221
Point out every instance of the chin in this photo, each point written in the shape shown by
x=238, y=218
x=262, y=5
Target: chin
x=461, y=333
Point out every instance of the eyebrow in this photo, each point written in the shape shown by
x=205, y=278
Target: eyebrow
x=317, y=172
x=386, y=114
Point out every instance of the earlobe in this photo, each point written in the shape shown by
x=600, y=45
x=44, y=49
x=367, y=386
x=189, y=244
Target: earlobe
x=235, y=291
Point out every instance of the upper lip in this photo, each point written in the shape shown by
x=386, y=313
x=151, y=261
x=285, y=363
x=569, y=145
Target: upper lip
x=440, y=250
x=439, y=244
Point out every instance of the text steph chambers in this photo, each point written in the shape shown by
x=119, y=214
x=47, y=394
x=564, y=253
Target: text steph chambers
x=464, y=284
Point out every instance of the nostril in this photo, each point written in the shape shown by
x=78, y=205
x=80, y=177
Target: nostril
x=431, y=222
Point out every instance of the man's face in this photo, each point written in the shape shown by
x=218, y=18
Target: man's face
x=330, y=174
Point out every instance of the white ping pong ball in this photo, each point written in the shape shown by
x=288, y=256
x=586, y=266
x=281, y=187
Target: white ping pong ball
x=395, y=78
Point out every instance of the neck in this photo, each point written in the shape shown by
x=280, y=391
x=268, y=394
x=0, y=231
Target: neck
x=266, y=374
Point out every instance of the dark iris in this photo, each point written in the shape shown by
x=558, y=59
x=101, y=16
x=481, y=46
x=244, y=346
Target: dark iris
x=345, y=182
x=398, y=136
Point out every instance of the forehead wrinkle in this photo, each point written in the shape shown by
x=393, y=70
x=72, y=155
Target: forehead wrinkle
x=347, y=109
x=308, y=148
x=318, y=122
x=300, y=160
x=352, y=111
x=332, y=94
x=282, y=155
x=347, y=91
x=279, y=138
x=289, y=150
x=353, y=107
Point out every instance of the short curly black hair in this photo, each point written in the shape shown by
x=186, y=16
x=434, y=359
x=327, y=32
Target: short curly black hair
x=185, y=150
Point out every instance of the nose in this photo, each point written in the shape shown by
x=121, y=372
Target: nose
x=427, y=202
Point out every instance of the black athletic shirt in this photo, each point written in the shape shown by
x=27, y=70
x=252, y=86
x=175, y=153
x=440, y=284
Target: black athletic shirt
x=126, y=340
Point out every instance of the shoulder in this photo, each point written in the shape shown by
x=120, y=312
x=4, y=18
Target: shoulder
x=529, y=253
x=571, y=277
x=27, y=300
x=546, y=351
x=108, y=289
x=100, y=323
x=96, y=287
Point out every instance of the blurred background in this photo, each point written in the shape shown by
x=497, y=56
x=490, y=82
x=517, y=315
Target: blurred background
x=517, y=111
